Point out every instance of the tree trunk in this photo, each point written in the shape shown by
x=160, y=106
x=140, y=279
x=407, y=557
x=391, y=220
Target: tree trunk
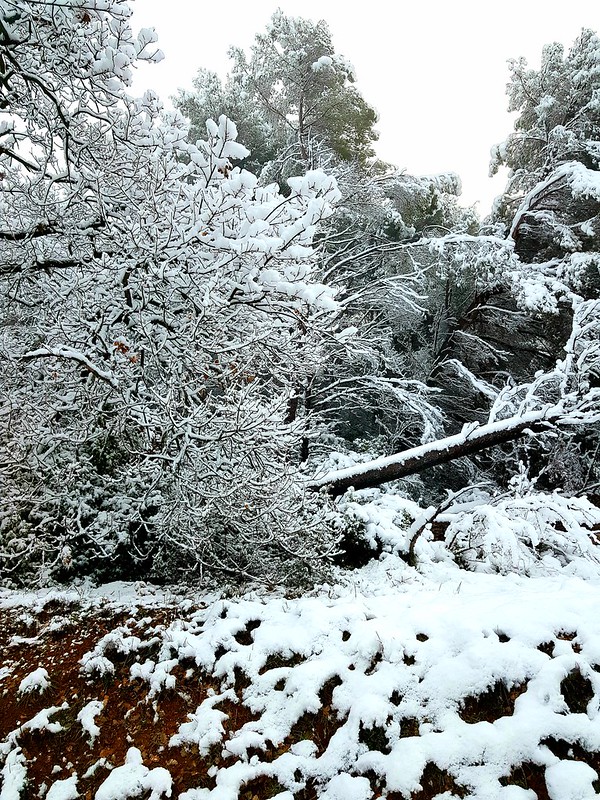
x=471, y=439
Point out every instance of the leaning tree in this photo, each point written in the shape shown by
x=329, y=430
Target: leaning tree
x=158, y=312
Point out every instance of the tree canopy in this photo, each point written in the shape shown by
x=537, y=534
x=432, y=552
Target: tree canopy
x=195, y=359
x=159, y=309
x=293, y=95
x=558, y=119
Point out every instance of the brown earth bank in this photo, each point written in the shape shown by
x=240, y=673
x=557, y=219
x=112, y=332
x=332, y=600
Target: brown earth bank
x=58, y=634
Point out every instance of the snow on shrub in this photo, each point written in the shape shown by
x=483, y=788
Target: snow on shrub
x=532, y=533
x=36, y=681
x=133, y=779
x=525, y=531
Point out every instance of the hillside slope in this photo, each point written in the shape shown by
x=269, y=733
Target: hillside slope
x=391, y=684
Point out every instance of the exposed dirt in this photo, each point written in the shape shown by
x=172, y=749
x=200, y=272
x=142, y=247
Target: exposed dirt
x=57, y=636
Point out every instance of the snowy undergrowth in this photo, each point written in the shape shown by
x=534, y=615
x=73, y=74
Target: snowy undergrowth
x=524, y=531
x=356, y=689
x=395, y=658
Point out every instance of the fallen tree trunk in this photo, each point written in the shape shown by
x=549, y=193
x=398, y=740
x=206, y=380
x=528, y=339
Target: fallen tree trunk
x=471, y=439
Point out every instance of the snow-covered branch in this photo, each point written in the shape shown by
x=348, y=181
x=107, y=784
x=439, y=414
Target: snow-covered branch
x=471, y=439
x=70, y=354
x=562, y=397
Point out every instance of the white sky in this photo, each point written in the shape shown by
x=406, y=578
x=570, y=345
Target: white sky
x=435, y=70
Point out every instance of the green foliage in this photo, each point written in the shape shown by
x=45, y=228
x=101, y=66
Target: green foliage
x=305, y=88
x=293, y=97
x=211, y=97
x=559, y=116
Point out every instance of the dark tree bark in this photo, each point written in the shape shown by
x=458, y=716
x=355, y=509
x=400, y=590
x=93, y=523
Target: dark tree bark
x=471, y=440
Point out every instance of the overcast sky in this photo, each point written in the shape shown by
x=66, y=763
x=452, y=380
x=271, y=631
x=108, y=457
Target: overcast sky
x=435, y=70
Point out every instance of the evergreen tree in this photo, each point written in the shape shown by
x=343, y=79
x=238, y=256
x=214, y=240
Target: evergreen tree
x=294, y=96
x=212, y=97
x=558, y=117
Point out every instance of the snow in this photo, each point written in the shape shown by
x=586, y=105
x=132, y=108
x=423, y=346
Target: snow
x=397, y=658
x=571, y=780
x=72, y=354
x=347, y=787
x=14, y=775
x=63, y=789
x=86, y=717
x=205, y=727
x=430, y=638
x=133, y=779
x=397, y=651
x=469, y=433
x=583, y=183
x=322, y=63
x=36, y=681
x=454, y=661
x=41, y=720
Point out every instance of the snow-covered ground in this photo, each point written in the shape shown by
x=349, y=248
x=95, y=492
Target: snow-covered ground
x=392, y=682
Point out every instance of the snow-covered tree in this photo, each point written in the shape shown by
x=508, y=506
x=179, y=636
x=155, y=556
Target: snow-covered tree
x=559, y=117
x=296, y=96
x=158, y=312
x=292, y=90
x=553, y=196
x=210, y=97
x=519, y=327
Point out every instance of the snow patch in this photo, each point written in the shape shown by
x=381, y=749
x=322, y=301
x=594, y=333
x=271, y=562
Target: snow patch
x=134, y=779
x=36, y=681
x=571, y=780
x=64, y=789
x=87, y=716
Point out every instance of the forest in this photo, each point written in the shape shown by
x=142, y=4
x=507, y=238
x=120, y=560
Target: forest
x=271, y=389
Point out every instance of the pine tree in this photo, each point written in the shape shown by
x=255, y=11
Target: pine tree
x=294, y=94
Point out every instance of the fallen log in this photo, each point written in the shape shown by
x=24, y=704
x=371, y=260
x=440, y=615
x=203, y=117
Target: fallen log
x=472, y=439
